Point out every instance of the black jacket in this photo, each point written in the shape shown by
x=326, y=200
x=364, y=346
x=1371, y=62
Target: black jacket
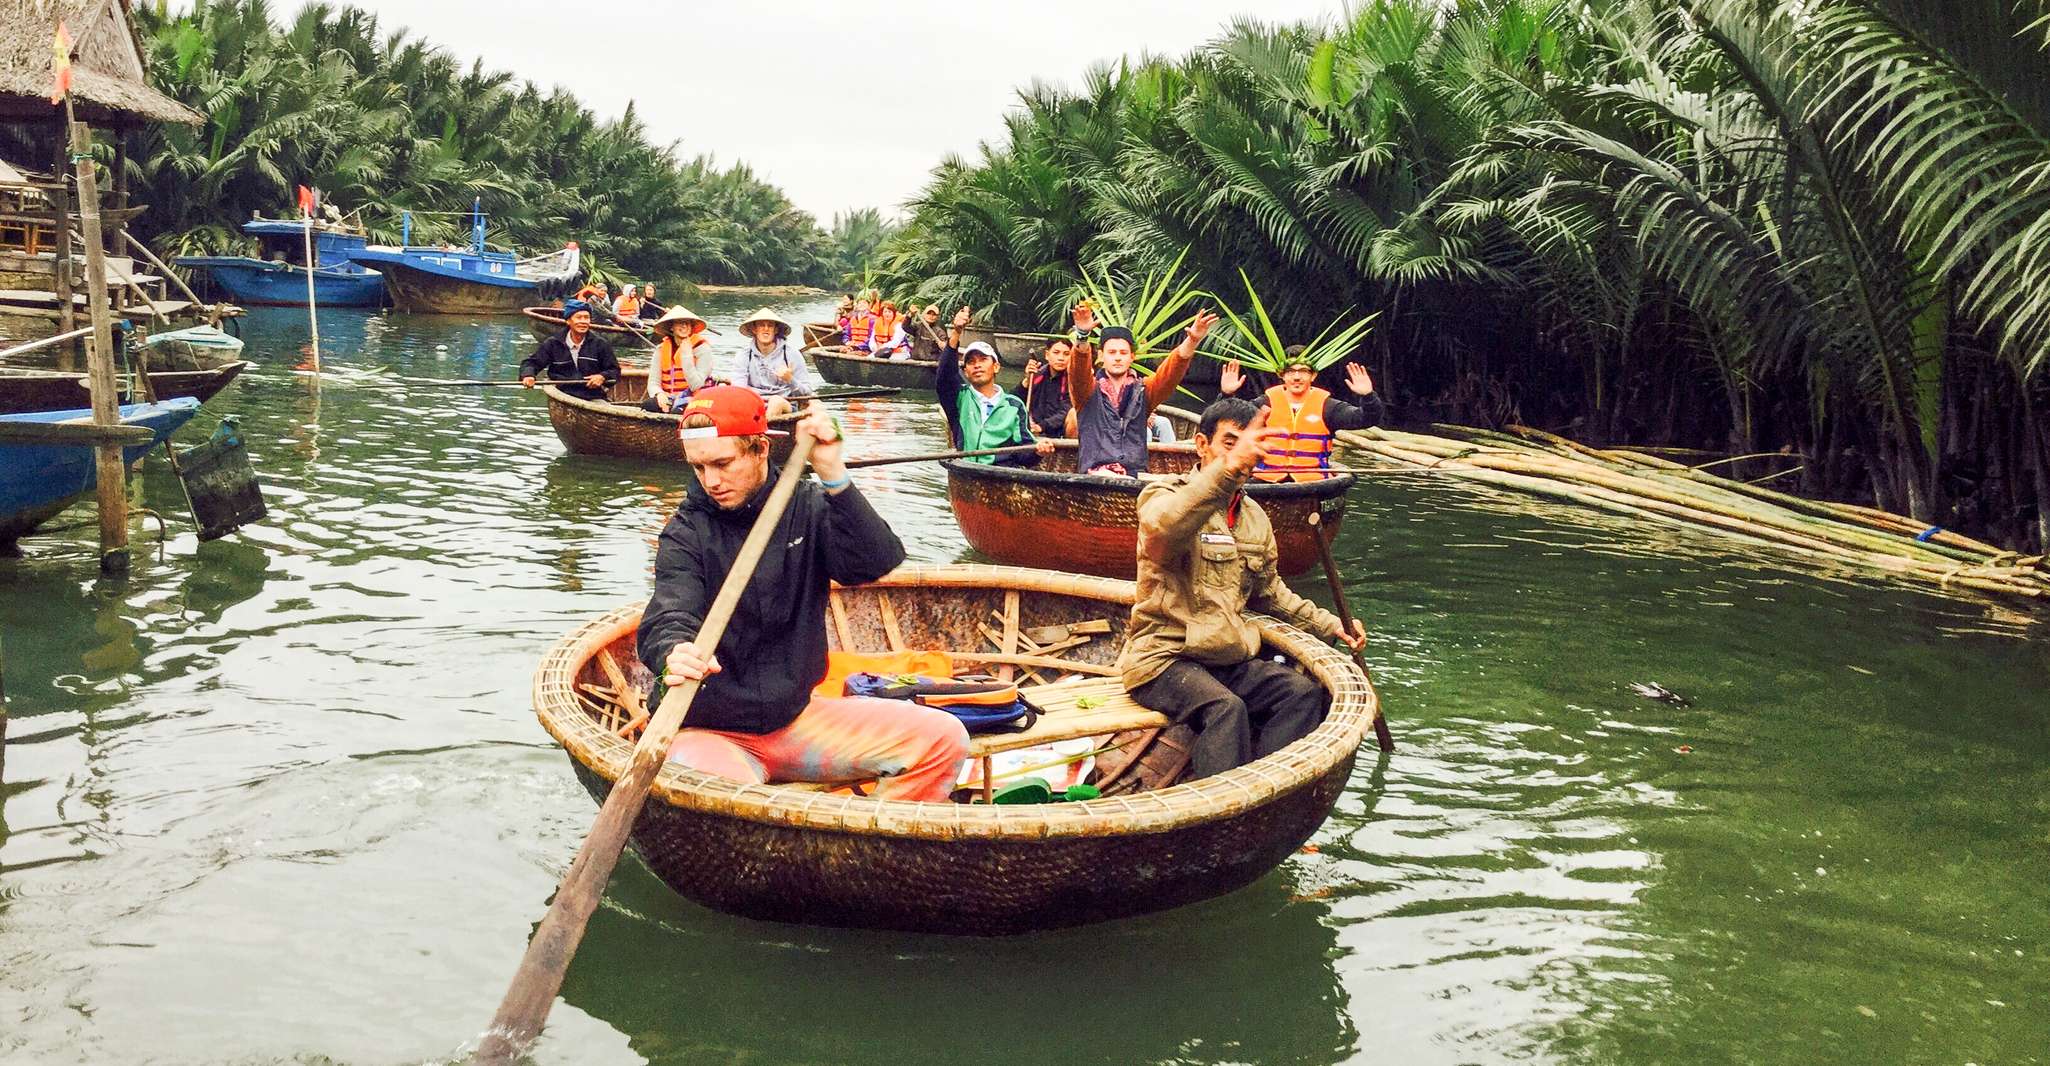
x=552, y=360
x=1049, y=402
x=774, y=649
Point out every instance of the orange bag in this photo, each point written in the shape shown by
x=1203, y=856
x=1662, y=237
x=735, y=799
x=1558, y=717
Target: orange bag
x=841, y=663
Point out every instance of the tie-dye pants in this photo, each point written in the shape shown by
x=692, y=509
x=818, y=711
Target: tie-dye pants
x=915, y=751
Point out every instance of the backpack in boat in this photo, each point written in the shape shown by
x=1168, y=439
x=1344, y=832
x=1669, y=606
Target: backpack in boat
x=983, y=704
x=1142, y=760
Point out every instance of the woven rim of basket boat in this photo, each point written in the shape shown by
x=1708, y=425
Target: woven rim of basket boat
x=1354, y=706
x=1335, y=486
x=843, y=353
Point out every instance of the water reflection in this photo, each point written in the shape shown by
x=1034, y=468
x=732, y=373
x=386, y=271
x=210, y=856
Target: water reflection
x=1252, y=981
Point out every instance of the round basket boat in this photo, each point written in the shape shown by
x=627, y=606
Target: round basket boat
x=546, y=322
x=786, y=853
x=1051, y=515
x=845, y=366
x=618, y=426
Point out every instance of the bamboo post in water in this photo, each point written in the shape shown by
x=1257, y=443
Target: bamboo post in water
x=539, y=978
x=111, y=472
x=312, y=314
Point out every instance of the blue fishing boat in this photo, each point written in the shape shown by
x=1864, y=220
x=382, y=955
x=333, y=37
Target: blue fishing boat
x=277, y=275
x=478, y=280
x=38, y=480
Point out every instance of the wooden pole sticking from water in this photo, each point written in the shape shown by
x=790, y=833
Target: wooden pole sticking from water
x=1382, y=737
x=312, y=315
x=539, y=978
x=110, y=471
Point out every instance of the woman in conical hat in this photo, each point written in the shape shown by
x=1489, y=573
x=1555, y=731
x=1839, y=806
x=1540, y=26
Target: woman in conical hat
x=683, y=360
x=775, y=368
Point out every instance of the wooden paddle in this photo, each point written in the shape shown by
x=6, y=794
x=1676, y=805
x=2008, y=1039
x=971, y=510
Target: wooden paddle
x=934, y=457
x=1382, y=736
x=539, y=978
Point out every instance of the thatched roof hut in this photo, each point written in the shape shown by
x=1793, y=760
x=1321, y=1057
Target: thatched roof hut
x=108, y=83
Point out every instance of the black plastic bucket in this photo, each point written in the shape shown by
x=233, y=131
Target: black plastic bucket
x=220, y=483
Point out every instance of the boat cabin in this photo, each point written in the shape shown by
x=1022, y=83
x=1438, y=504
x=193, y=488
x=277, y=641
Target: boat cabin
x=283, y=240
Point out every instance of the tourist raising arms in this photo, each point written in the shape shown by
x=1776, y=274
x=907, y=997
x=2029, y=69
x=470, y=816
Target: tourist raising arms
x=980, y=414
x=1306, y=416
x=1113, y=406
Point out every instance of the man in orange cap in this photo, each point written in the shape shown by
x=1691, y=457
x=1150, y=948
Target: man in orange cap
x=755, y=718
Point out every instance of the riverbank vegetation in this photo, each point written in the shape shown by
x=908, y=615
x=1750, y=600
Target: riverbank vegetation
x=381, y=121
x=1820, y=226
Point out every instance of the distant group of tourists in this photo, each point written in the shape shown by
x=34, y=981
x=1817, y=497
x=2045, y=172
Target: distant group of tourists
x=581, y=363
x=632, y=303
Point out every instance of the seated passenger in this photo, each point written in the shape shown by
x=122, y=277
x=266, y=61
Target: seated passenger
x=1206, y=557
x=755, y=717
x=859, y=327
x=980, y=414
x=1307, y=415
x=1114, y=407
x=628, y=306
x=683, y=360
x=775, y=369
x=650, y=310
x=891, y=341
x=1045, y=389
x=578, y=361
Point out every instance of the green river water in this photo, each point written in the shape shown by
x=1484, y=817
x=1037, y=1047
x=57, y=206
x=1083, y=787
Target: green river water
x=281, y=798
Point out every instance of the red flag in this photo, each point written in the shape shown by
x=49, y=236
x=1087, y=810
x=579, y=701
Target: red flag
x=307, y=201
x=60, y=64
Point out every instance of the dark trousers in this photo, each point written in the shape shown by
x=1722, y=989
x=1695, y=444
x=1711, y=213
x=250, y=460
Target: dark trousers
x=1239, y=712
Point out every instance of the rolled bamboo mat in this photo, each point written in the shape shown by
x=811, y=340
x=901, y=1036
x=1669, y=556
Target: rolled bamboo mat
x=1649, y=486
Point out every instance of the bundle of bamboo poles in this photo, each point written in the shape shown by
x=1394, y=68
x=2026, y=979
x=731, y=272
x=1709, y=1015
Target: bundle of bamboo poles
x=1647, y=486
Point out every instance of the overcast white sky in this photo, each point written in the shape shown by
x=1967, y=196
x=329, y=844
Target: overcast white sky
x=842, y=103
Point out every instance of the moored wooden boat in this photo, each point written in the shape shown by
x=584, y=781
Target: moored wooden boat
x=821, y=334
x=1090, y=523
x=844, y=366
x=546, y=322
x=789, y=854
x=620, y=427
x=58, y=391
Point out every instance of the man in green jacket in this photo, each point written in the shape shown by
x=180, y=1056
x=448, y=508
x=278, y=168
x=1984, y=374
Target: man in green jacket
x=1206, y=557
x=979, y=414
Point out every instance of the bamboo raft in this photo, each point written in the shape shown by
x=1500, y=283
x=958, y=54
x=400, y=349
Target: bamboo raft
x=796, y=854
x=1052, y=515
x=1642, y=485
x=619, y=427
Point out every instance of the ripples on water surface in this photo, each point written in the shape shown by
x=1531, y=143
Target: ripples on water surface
x=281, y=797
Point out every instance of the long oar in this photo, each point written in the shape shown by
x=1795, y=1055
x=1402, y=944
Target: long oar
x=1381, y=734
x=934, y=457
x=541, y=970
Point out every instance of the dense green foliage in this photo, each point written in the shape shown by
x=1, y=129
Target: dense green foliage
x=1821, y=226
x=382, y=122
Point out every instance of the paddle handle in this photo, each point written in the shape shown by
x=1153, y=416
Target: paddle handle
x=1382, y=736
x=539, y=978
x=1013, y=449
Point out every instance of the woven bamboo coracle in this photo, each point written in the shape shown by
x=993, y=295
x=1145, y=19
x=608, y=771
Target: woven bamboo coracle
x=620, y=427
x=1051, y=514
x=789, y=854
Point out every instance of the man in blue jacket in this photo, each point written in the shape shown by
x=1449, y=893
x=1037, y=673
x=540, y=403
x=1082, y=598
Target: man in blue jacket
x=755, y=718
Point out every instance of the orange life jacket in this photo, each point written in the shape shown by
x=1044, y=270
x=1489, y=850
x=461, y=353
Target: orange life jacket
x=628, y=306
x=586, y=293
x=669, y=364
x=1307, y=446
x=860, y=330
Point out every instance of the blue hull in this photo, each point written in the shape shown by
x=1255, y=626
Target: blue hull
x=37, y=481
x=258, y=283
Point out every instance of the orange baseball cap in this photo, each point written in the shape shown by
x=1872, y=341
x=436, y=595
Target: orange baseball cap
x=735, y=412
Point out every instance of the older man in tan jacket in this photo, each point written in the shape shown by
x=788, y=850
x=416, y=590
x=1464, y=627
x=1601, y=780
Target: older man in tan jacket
x=1206, y=555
